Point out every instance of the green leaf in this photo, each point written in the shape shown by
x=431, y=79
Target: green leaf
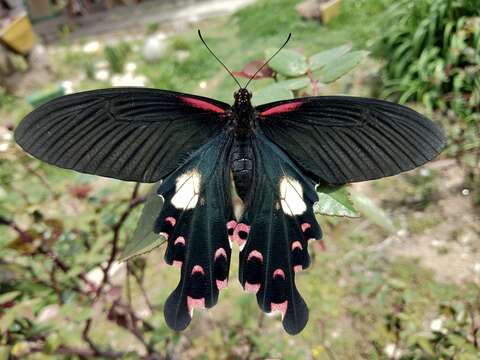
x=294, y=84
x=324, y=57
x=271, y=93
x=372, y=212
x=144, y=239
x=52, y=344
x=288, y=62
x=334, y=201
x=342, y=65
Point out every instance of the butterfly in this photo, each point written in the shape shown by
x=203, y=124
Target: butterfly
x=273, y=154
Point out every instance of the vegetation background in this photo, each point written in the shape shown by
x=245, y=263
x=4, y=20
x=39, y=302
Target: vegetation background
x=400, y=282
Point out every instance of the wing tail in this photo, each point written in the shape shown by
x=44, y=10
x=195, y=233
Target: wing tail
x=194, y=220
x=280, y=223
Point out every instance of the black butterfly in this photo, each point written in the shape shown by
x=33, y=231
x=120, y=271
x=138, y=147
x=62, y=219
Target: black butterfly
x=275, y=154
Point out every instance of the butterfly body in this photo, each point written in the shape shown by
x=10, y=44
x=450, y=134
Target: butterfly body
x=242, y=119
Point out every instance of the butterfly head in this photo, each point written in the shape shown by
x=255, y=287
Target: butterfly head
x=242, y=97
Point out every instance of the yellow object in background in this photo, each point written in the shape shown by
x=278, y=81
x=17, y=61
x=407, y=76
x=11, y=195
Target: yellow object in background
x=329, y=10
x=18, y=34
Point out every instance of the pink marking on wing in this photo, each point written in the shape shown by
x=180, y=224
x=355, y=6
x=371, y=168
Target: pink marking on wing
x=222, y=284
x=297, y=245
x=279, y=272
x=236, y=236
x=297, y=268
x=242, y=227
x=201, y=104
x=164, y=234
x=281, y=307
x=199, y=269
x=194, y=303
x=305, y=227
x=255, y=254
x=171, y=220
x=231, y=224
x=252, y=288
x=220, y=252
x=177, y=263
x=179, y=240
x=283, y=108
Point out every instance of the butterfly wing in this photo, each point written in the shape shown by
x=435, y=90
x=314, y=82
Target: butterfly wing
x=340, y=139
x=196, y=210
x=277, y=225
x=133, y=134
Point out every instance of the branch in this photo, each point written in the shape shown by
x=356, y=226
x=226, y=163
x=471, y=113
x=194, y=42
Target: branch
x=142, y=289
x=135, y=201
x=10, y=223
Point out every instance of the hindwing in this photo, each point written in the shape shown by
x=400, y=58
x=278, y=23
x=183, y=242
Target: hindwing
x=276, y=226
x=196, y=210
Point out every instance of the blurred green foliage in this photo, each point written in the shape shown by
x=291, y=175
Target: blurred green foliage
x=116, y=56
x=432, y=53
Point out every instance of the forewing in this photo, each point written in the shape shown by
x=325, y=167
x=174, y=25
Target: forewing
x=134, y=134
x=274, y=234
x=340, y=139
x=194, y=220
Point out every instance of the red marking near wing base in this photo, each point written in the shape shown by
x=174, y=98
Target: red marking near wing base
x=204, y=105
x=283, y=108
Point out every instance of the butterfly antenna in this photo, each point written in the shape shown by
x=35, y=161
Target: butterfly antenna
x=271, y=57
x=220, y=61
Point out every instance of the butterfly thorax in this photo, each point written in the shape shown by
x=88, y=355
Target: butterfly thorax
x=243, y=114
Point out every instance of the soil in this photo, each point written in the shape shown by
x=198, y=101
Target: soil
x=449, y=243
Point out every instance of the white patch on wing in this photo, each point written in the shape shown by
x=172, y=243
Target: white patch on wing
x=291, y=196
x=186, y=190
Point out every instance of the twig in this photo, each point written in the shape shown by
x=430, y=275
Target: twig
x=127, y=285
x=134, y=202
x=23, y=234
x=142, y=289
x=42, y=179
x=94, y=348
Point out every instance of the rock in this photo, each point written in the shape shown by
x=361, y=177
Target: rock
x=324, y=10
x=309, y=9
x=154, y=48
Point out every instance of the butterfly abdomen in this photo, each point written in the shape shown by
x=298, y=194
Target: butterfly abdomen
x=242, y=164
